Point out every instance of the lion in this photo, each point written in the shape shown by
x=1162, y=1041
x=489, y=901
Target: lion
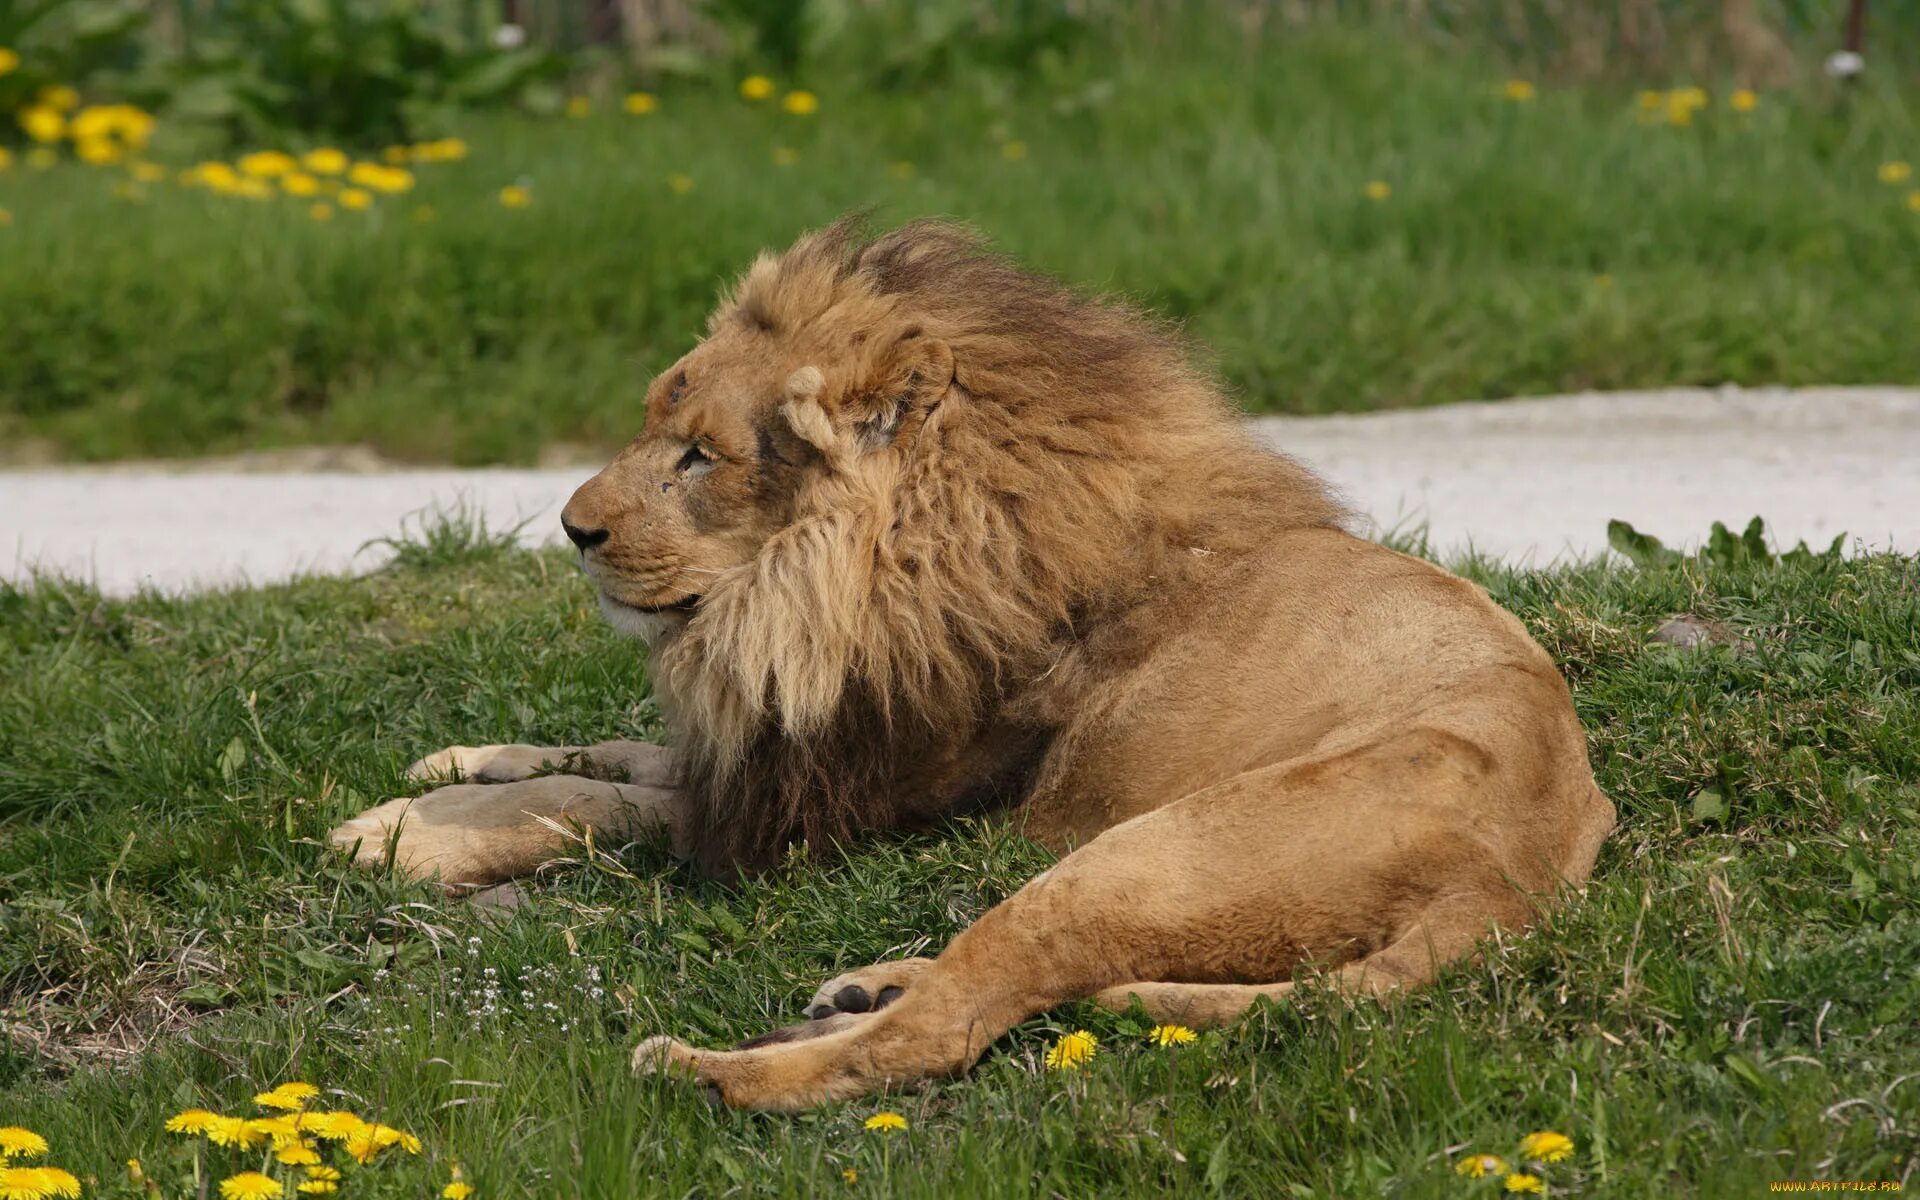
x=913, y=532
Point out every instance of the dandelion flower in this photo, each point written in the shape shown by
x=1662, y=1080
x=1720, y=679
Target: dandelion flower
x=1743, y=100
x=37, y=1183
x=252, y=189
x=234, y=1131
x=316, y=1187
x=300, y=1153
x=1913, y=201
x=299, y=183
x=325, y=161
x=785, y=156
x=800, y=103
x=387, y=1135
x=282, y=1130
x=17, y=1142
x=373, y=176
x=1479, y=1166
x=1377, y=189
x=43, y=124
x=328, y=1174
x=6, y=158
x=850, y=1175
x=1895, y=172
x=1171, y=1035
x=250, y=1185
x=98, y=152
x=337, y=1125
x=355, y=198
x=1520, y=1182
x=362, y=1146
x=267, y=164
x=1651, y=101
x=193, y=1121
x=639, y=103
x=1519, y=90
x=515, y=196
x=1546, y=1146
x=756, y=87
x=681, y=184
x=9, y=61
x=885, y=1122
x=59, y=96
x=1072, y=1051
x=136, y=1175
x=459, y=1189
x=1013, y=151
x=444, y=150
x=302, y=1092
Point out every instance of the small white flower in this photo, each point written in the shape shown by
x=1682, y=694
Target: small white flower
x=1845, y=64
x=510, y=37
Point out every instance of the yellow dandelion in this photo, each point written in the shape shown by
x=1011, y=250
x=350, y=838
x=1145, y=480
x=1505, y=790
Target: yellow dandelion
x=266, y=164
x=579, y=106
x=98, y=152
x=147, y=172
x=9, y=61
x=885, y=1122
x=800, y=103
x=1651, y=101
x=850, y=1175
x=299, y=1153
x=378, y=178
x=250, y=1185
x=1546, y=1146
x=335, y=1126
x=193, y=1121
x=901, y=170
x=1518, y=90
x=1377, y=189
x=251, y=189
x=1743, y=100
x=37, y=1183
x=515, y=196
x=756, y=87
x=1013, y=151
x=396, y=156
x=16, y=1142
x=681, y=184
x=325, y=1173
x=785, y=156
x=295, y=1089
x=639, y=103
x=1913, y=201
x=1895, y=172
x=1072, y=1051
x=325, y=161
x=282, y=1130
x=43, y=124
x=444, y=150
x=316, y=1187
x=40, y=158
x=6, y=158
x=459, y=1189
x=299, y=183
x=356, y=199
x=136, y=1175
x=234, y=1131
x=58, y=96
x=387, y=1135
x=1522, y=1183
x=1171, y=1035
x=1479, y=1166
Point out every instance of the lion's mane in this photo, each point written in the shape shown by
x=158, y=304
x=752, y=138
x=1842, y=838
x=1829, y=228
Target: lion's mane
x=1057, y=489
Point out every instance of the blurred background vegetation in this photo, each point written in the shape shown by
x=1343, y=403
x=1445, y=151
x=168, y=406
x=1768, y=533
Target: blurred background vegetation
x=465, y=230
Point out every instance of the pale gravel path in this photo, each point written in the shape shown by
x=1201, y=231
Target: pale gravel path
x=1526, y=480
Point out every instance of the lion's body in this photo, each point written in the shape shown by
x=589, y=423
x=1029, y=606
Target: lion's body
x=962, y=540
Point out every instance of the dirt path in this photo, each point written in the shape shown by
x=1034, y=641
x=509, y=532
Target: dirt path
x=1528, y=480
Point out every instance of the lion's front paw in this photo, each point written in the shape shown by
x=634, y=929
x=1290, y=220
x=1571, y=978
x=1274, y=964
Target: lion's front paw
x=442, y=833
x=868, y=989
x=487, y=764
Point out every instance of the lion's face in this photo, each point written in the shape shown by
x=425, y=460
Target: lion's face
x=710, y=478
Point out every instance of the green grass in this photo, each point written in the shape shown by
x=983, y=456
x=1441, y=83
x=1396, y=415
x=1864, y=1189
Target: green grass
x=1730, y=1001
x=1215, y=180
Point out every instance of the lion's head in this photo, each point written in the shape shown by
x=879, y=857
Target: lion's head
x=898, y=479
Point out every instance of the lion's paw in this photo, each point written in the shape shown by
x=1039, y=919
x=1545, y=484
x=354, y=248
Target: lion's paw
x=428, y=835
x=868, y=989
x=486, y=764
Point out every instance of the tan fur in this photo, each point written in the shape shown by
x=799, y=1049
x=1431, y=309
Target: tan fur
x=919, y=532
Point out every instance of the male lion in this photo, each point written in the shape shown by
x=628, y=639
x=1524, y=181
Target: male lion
x=912, y=533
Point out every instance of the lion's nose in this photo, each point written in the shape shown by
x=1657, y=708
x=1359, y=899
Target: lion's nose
x=586, y=539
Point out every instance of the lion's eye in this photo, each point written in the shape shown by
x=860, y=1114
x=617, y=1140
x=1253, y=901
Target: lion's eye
x=695, y=461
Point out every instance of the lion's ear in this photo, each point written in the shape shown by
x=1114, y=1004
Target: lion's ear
x=800, y=403
x=913, y=375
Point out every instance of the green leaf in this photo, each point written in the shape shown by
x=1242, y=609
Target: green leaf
x=1642, y=549
x=233, y=758
x=1709, y=805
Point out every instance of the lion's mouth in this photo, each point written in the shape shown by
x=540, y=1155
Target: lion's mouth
x=685, y=604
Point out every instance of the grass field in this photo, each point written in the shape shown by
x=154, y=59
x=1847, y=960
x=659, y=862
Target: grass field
x=1570, y=240
x=1730, y=1002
